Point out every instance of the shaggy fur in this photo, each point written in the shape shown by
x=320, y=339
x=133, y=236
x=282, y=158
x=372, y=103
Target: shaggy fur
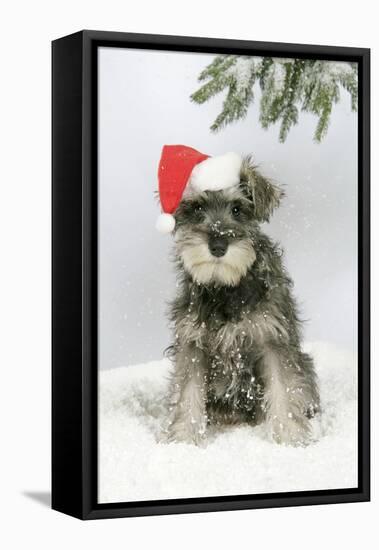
x=237, y=354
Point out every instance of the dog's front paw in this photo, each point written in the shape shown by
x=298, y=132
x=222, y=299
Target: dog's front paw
x=292, y=431
x=180, y=432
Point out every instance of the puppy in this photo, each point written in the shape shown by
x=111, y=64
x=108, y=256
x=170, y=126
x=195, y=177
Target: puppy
x=236, y=353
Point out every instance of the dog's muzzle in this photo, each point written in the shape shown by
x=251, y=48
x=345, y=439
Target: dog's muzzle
x=218, y=246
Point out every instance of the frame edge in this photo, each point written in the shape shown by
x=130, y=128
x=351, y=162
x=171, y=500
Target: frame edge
x=67, y=385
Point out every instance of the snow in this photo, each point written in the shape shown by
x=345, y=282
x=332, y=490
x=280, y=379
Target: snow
x=134, y=466
x=242, y=70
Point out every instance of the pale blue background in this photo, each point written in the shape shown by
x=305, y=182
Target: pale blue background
x=143, y=104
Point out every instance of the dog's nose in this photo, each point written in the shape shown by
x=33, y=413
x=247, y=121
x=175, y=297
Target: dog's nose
x=218, y=246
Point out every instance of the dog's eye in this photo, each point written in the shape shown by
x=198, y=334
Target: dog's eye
x=236, y=210
x=198, y=208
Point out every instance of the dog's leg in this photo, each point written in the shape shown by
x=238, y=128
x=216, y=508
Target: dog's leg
x=290, y=393
x=188, y=418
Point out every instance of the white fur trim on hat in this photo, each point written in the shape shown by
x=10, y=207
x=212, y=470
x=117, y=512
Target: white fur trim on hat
x=165, y=223
x=216, y=173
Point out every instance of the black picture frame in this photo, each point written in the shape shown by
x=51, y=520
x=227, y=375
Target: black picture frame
x=74, y=272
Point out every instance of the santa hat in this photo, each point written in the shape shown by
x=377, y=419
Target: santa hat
x=182, y=168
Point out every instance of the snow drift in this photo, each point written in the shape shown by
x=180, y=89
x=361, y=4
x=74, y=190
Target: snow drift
x=237, y=460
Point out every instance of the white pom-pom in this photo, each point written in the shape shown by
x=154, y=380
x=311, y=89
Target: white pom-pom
x=165, y=223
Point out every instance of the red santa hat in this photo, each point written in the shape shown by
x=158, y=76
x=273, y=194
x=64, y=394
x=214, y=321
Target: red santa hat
x=182, y=168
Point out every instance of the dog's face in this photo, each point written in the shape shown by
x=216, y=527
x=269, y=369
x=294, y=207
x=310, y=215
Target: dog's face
x=215, y=229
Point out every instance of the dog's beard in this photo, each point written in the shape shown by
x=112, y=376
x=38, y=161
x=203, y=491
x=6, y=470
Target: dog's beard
x=207, y=269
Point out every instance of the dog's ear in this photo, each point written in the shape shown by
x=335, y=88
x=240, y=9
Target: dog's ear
x=264, y=194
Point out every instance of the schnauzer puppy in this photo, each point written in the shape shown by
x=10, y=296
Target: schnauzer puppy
x=237, y=351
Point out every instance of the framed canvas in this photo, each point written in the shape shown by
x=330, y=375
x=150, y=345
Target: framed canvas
x=223, y=365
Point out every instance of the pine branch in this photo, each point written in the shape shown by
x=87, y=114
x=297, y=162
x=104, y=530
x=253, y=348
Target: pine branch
x=288, y=86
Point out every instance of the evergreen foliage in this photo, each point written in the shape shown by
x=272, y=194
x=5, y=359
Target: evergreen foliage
x=288, y=86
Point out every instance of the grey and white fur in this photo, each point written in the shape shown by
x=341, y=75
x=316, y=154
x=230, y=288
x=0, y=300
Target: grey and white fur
x=237, y=354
